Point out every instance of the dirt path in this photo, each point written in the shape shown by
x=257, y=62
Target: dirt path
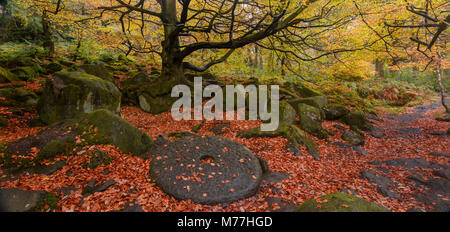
x=418, y=151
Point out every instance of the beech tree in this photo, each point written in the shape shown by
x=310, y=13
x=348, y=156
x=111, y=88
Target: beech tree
x=190, y=26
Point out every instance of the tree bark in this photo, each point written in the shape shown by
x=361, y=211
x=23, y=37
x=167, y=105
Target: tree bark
x=379, y=67
x=48, y=44
x=441, y=86
x=172, y=62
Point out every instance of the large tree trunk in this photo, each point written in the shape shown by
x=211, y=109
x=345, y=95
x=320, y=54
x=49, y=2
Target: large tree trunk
x=172, y=63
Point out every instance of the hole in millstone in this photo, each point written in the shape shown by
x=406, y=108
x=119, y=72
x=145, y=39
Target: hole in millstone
x=206, y=159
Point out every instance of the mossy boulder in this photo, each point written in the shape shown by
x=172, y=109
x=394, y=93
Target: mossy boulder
x=7, y=77
x=298, y=137
x=25, y=73
x=357, y=121
x=340, y=202
x=353, y=138
x=98, y=70
x=292, y=133
x=287, y=113
x=335, y=111
x=112, y=129
x=52, y=149
x=311, y=120
x=131, y=88
x=155, y=98
x=155, y=105
x=319, y=102
x=152, y=97
x=70, y=94
x=19, y=96
x=53, y=67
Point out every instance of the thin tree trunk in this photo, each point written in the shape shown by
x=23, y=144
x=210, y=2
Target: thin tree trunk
x=283, y=63
x=441, y=86
x=379, y=66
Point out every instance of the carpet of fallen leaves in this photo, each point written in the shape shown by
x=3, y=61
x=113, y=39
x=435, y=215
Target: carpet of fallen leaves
x=336, y=169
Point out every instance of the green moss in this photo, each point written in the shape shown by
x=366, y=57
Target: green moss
x=49, y=203
x=357, y=121
x=317, y=101
x=292, y=133
x=340, y=202
x=19, y=96
x=155, y=105
x=306, y=91
x=287, y=113
x=108, y=128
x=353, y=138
x=25, y=73
x=53, y=67
x=311, y=120
x=98, y=70
x=6, y=76
x=71, y=94
x=52, y=149
x=335, y=111
x=297, y=137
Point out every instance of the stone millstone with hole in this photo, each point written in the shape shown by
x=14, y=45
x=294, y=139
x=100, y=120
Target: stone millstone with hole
x=207, y=170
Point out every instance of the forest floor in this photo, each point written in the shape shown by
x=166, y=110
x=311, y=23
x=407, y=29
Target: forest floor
x=404, y=166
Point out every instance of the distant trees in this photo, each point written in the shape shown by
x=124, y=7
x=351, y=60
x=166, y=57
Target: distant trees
x=427, y=24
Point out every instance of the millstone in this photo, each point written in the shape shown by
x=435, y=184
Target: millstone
x=206, y=169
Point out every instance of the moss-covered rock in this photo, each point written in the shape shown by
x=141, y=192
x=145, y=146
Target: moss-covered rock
x=353, y=138
x=297, y=137
x=311, y=120
x=6, y=76
x=25, y=73
x=335, y=111
x=292, y=133
x=53, y=67
x=287, y=113
x=319, y=102
x=112, y=129
x=98, y=70
x=357, y=121
x=155, y=105
x=340, y=202
x=70, y=94
x=52, y=149
x=19, y=96
x=152, y=97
